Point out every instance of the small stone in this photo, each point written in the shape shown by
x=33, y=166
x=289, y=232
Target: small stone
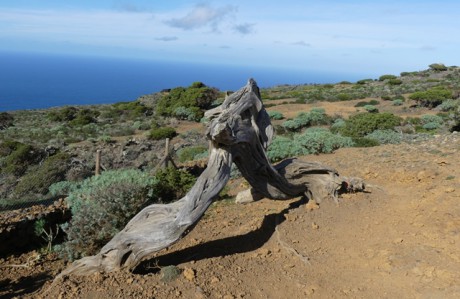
x=311, y=205
x=215, y=280
x=398, y=240
x=265, y=252
x=130, y=280
x=450, y=189
x=314, y=225
x=189, y=274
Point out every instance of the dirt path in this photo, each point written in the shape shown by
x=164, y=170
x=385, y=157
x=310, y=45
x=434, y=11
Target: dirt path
x=402, y=240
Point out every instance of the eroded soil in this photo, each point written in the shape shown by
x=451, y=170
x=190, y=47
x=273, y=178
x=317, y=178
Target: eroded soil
x=399, y=240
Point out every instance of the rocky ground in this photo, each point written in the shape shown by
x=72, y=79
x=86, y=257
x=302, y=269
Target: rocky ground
x=401, y=239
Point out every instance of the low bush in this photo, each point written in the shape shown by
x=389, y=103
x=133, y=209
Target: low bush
x=276, y=115
x=365, y=103
x=342, y=97
x=20, y=157
x=84, y=117
x=197, y=97
x=173, y=184
x=365, y=142
x=312, y=141
x=397, y=102
x=6, y=120
x=191, y=153
x=364, y=81
x=63, y=115
x=316, y=116
x=438, y=67
x=162, y=133
x=387, y=77
x=40, y=177
x=361, y=124
x=448, y=105
x=385, y=136
x=131, y=110
x=371, y=108
x=431, y=122
x=395, y=82
x=431, y=97
x=101, y=206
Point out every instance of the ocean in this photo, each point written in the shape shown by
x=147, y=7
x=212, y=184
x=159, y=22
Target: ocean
x=35, y=81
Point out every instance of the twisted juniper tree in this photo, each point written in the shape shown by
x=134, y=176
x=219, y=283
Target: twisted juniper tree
x=240, y=132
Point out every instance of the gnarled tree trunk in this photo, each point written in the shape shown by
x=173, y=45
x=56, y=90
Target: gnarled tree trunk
x=240, y=131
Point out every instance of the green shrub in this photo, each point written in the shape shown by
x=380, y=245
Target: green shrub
x=84, y=117
x=387, y=77
x=344, y=97
x=20, y=158
x=431, y=126
x=362, y=124
x=337, y=124
x=395, y=82
x=191, y=153
x=448, y=105
x=173, y=184
x=385, y=136
x=361, y=104
x=198, y=96
x=101, y=206
x=6, y=120
x=190, y=113
x=8, y=146
x=321, y=140
x=364, y=103
x=397, y=102
x=316, y=116
x=430, y=118
x=431, y=122
x=312, y=141
x=365, y=142
x=283, y=147
x=431, y=97
x=439, y=67
x=40, y=177
x=63, y=115
x=275, y=115
x=131, y=110
x=364, y=81
x=371, y=108
x=162, y=133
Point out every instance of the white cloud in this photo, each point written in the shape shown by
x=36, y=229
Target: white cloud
x=245, y=28
x=167, y=38
x=202, y=15
x=301, y=43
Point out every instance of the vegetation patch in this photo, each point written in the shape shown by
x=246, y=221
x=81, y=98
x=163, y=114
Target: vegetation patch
x=101, y=206
x=361, y=124
x=188, y=103
x=312, y=141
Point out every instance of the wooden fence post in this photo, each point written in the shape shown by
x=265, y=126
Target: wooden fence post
x=167, y=153
x=98, y=162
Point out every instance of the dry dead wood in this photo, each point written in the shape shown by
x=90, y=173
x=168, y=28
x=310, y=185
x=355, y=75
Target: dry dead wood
x=240, y=132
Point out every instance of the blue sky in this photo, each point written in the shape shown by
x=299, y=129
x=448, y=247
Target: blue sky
x=368, y=37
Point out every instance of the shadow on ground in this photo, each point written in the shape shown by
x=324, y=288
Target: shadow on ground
x=222, y=247
x=23, y=286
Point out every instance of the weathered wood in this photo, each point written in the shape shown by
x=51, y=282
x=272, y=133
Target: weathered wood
x=98, y=162
x=240, y=131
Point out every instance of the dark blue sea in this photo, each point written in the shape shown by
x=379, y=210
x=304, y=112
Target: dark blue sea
x=34, y=81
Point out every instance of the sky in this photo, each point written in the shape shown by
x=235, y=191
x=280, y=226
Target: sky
x=368, y=37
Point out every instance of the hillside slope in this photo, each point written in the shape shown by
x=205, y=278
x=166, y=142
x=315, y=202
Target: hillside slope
x=401, y=240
